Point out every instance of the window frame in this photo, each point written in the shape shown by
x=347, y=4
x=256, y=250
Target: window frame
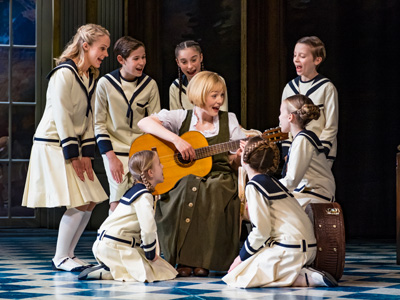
x=43, y=65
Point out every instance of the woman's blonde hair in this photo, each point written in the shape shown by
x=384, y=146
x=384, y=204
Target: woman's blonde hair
x=261, y=155
x=139, y=163
x=303, y=109
x=88, y=33
x=202, y=84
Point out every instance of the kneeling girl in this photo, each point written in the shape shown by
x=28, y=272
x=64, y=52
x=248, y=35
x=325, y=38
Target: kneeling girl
x=281, y=244
x=126, y=245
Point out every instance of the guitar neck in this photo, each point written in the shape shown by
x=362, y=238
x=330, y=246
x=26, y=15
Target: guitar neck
x=217, y=149
x=274, y=135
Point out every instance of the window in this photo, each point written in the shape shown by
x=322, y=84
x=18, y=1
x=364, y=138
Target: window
x=18, y=51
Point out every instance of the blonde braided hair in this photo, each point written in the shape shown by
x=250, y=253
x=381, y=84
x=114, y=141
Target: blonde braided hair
x=262, y=155
x=139, y=163
x=148, y=185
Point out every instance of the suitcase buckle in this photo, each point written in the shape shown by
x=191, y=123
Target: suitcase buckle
x=333, y=211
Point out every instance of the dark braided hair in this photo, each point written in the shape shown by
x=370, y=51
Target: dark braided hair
x=179, y=47
x=305, y=110
x=261, y=155
x=139, y=163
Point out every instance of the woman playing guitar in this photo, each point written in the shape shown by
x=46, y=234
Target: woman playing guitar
x=198, y=220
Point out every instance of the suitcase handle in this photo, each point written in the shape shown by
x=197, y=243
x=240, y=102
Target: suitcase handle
x=333, y=211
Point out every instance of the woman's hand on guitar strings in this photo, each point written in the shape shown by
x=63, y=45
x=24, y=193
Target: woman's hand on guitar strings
x=185, y=149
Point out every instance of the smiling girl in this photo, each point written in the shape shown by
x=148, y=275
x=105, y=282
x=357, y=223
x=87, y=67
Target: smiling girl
x=60, y=168
x=198, y=220
x=308, y=55
x=123, y=97
x=189, y=58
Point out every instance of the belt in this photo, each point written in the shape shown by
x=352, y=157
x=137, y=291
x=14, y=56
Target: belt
x=131, y=242
x=54, y=141
x=303, y=245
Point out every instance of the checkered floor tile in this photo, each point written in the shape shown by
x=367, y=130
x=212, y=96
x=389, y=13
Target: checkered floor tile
x=25, y=273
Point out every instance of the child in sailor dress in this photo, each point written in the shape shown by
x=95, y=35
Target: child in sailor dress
x=126, y=246
x=309, y=53
x=64, y=132
x=323, y=93
x=282, y=243
x=308, y=172
x=309, y=176
x=60, y=169
x=120, y=103
x=114, y=130
x=126, y=241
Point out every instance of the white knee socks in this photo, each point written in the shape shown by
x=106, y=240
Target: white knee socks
x=69, y=225
x=77, y=236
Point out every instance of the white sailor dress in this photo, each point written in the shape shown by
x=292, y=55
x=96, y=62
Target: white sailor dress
x=324, y=94
x=282, y=239
x=64, y=132
x=119, y=106
x=174, y=102
x=127, y=240
x=309, y=176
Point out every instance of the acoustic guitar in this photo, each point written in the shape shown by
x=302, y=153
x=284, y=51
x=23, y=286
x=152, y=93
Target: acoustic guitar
x=175, y=167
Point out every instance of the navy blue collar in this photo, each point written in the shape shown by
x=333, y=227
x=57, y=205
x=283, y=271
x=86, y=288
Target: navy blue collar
x=133, y=193
x=70, y=64
x=269, y=187
x=313, y=138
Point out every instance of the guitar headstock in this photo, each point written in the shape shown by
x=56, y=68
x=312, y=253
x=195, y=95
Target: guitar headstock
x=275, y=135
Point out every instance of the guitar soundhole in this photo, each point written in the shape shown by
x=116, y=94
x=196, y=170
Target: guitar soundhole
x=183, y=162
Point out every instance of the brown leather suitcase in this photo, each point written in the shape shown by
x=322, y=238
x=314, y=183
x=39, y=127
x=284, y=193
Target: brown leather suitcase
x=329, y=232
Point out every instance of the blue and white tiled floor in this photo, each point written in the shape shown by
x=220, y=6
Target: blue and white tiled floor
x=25, y=273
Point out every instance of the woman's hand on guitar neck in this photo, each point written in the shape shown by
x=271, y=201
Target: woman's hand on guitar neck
x=184, y=148
x=236, y=159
